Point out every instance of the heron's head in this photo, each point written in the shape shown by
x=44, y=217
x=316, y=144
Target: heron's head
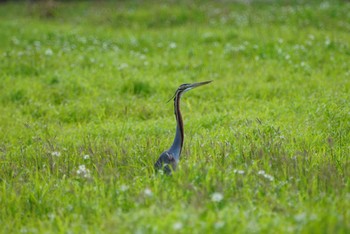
x=186, y=87
x=164, y=163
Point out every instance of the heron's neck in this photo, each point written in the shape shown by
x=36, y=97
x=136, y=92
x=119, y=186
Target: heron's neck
x=179, y=136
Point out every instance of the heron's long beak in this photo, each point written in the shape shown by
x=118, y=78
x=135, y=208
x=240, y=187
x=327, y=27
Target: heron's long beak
x=195, y=85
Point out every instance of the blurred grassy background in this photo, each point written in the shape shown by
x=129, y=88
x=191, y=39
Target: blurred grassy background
x=83, y=94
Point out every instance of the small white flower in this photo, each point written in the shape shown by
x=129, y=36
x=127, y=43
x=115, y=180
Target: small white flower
x=269, y=177
x=123, y=66
x=217, y=197
x=48, y=52
x=266, y=176
x=56, y=153
x=311, y=37
x=241, y=172
x=83, y=171
x=300, y=217
x=325, y=5
x=86, y=157
x=172, y=45
x=124, y=187
x=148, y=192
x=177, y=226
x=51, y=216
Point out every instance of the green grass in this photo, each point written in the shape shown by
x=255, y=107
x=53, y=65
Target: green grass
x=84, y=116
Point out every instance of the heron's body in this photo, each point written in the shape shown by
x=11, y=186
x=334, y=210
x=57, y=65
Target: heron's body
x=172, y=155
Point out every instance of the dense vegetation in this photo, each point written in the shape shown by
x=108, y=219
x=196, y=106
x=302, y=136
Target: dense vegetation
x=84, y=116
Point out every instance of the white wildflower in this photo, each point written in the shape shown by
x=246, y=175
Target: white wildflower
x=177, y=226
x=83, y=40
x=51, y=216
x=124, y=187
x=83, y=171
x=219, y=224
x=142, y=57
x=240, y=172
x=217, y=197
x=48, y=52
x=148, y=192
x=269, y=177
x=172, y=45
x=325, y=5
x=56, y=153
x=300, y=217
x=266, y=176
x=123, y=66
x=86, y=157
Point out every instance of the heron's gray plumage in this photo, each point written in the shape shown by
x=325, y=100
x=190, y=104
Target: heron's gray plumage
x=169, y=159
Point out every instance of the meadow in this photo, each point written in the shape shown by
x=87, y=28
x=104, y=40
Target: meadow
x=84, y=116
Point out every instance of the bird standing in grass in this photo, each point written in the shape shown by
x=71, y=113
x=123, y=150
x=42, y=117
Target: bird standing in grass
x=169, y=159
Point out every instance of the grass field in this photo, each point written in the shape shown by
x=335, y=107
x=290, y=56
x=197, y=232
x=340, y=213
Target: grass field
x=84, y=117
